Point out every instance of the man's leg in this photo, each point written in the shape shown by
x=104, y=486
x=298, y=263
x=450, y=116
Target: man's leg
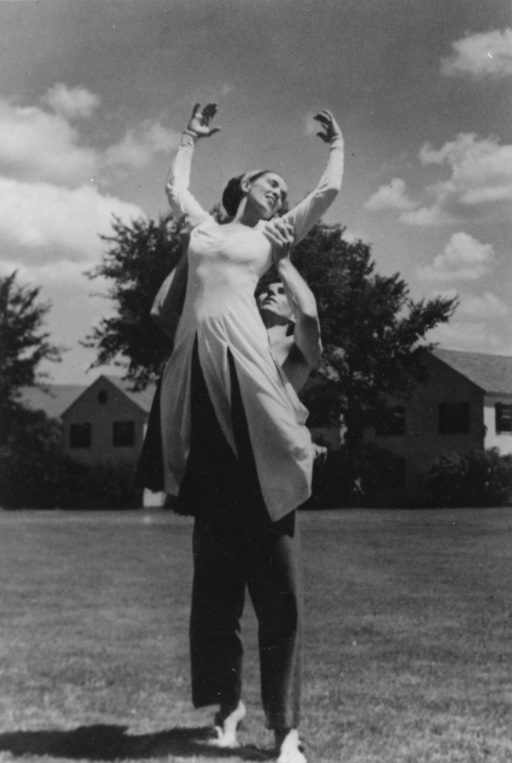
x=275, y=586
x=217, y=606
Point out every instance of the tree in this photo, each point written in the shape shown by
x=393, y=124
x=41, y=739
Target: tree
x=137, y=260
x=23, y=343
x=371, y=327
x=371, y=330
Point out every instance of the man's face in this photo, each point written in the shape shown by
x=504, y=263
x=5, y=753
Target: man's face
x=274, y=300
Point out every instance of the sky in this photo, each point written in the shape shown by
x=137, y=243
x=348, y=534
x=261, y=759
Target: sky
x=94, y=95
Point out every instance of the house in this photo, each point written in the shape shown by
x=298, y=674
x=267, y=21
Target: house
x=462, y=402
x=102, y=423
x=107, y=422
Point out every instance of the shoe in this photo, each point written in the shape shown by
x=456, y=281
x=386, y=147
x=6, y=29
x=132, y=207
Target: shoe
x=226, y=729
x=291, y=749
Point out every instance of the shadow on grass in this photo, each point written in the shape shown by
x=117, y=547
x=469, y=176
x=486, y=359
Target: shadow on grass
x=109, y=743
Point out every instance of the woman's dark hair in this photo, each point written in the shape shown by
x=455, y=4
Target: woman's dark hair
x=233, y=193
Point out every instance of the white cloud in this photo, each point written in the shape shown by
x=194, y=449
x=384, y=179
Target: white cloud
x=138, y=146
x=478, y=55
x=471, y=336
x=39, y=217
x=487, y=305
x=481, y=175
x=392, y=196
x=426, y=216
x=38, y=145
x=71, y=102
x=464, y=257
x=52, y=215
x=351, y=236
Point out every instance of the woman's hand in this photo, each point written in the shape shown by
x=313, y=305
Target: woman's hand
x=281, y=235
x=331, y=127
x=199, y=122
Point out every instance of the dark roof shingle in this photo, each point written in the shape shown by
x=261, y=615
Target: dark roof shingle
x=492, y=373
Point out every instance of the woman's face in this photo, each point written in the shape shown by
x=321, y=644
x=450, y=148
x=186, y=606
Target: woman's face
x=268, y=192
x=274, y=300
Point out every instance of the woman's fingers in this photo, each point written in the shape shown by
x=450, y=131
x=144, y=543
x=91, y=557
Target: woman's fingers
x=209, y=111
x=325, y=117
x=282, y=231
x=329, y=125
x=201, y=118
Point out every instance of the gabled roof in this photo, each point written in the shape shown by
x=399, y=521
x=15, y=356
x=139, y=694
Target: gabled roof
x=492, y=373
x=53, y=399
x=142, y=399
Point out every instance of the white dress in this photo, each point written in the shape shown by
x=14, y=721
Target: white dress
x=220, y=314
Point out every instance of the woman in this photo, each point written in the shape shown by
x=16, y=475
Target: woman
x=236, y=450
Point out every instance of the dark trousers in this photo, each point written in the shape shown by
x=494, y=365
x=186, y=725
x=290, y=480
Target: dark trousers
x=235, y=547
x=264, y=557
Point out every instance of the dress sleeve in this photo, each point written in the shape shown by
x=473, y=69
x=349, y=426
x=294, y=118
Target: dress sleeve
x=310, y=210
x=181, y=200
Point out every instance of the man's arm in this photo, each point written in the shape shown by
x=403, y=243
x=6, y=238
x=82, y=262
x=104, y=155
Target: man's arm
x=306, y=349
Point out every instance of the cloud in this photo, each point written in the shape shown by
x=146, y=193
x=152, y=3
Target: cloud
x=464, y=257
x=426, y=216
x=392, y=196
x=42, y=146
x=71, y=102
x=138, y=146
x=488, y=54
x=487, y=305
x=39, y=218
x=481, y=175
x=470, y=336
x=38, y=145
x=52, y=215
x=351, y=236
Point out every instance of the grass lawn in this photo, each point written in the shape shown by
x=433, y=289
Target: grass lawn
x=408, y=639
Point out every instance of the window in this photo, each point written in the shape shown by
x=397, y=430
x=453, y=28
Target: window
x=80, y=436
x=454, y=418
x=123, y=434
x=102, y=396
x=391, y=422
x=503, y=418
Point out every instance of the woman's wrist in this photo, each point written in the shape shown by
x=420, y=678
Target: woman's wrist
x=283, y=265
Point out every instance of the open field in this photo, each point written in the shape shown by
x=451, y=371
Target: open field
x=408, y=639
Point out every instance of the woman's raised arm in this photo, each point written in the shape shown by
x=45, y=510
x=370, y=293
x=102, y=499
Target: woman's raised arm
x=181, y=200
x=309, y=211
